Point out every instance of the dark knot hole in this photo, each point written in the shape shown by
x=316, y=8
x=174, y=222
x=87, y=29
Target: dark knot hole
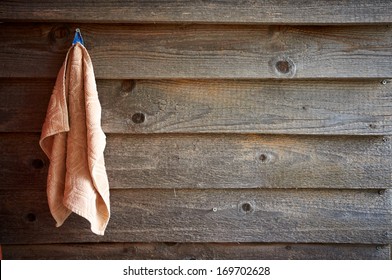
x=246, y=207
x=138, y=118
x=30, y=217
x=38, y=163
x=283, y=66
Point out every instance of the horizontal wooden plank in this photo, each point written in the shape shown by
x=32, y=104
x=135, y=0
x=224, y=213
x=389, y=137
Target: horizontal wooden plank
x=349, y=107
x=248, y=215
x=201, y=51
x=216, y=161
x=192, y=251
x=23, y=104
x=227, y=11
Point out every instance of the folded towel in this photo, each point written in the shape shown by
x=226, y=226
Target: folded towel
x=74, y=142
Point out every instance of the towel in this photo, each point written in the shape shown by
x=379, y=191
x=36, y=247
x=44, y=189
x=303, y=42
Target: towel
x=74, y=142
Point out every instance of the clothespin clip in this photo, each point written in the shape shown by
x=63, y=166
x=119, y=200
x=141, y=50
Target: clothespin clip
x=78, y=37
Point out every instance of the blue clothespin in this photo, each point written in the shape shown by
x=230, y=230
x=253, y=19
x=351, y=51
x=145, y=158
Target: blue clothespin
x=78, y=37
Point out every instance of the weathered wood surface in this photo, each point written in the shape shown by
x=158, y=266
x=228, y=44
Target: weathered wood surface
x=201, y=51
x=350, y=107
x=192, y=251
x=227, y=11
x=216, y=161
x=23, y=104
x=250, y=215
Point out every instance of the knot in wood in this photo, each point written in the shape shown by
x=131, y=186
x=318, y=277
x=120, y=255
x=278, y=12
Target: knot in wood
x=246, y=207
x=138, y=118
x=60, y=38
x=38, y=163
x=30, y=217
x=283, y=67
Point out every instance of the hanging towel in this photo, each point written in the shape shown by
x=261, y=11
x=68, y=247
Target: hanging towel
x=74, y=142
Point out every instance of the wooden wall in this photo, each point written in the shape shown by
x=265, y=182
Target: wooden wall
x=259, y=130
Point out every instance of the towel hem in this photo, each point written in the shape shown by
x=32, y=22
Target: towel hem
x=99, y=230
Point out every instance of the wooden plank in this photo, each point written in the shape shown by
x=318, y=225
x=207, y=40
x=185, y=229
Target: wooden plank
x=248, y=215
x=227, y=11
x=192, y=251
x=349, y=107
x=201, y=51
x=216, y=161
x=23, y=104
x=285, y=107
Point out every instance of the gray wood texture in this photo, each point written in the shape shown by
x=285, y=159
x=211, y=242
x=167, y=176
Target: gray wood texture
x=216, y=161
x=196, y=251
x=194, y=95
x=195, y=215
x=333, y=107
x=226, y=11
x=201, y=51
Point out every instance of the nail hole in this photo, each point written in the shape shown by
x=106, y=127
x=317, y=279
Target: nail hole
x=138, y=118
x=304, y=108
x=288, y=247
x=246, y=207
x=37, y=163
x=381, y=192
x=283, y=66
x=263, y=157
x=31, y=217
x=372, y=126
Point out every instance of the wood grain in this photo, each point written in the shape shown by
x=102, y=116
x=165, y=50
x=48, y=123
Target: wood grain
x=201, y=51
x=227, y=11
x=216, y=161
x=192, y=251
x=330, y=107
x=23, y=104
x=248, y=215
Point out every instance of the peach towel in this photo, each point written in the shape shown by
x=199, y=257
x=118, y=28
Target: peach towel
x=74, y=142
